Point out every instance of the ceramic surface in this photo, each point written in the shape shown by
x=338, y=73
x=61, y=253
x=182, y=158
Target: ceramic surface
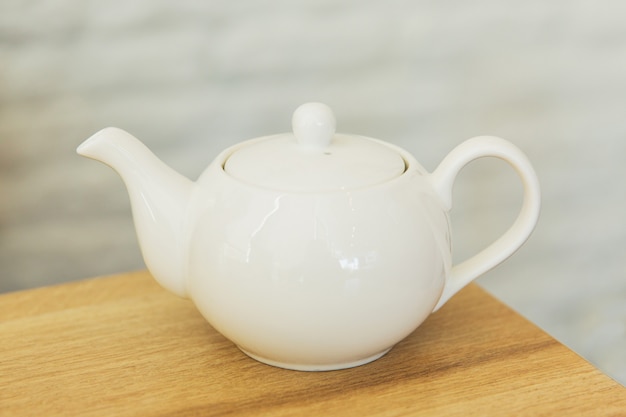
x=321, y=276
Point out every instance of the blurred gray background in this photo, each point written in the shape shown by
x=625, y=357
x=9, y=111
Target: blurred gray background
x=190, y=78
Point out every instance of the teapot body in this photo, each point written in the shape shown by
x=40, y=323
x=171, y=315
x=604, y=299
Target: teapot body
x=316, y=281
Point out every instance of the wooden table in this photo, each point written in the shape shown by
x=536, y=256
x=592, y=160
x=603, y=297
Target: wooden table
x=120, y=345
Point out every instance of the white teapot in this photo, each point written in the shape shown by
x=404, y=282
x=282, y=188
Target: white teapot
x=309, y=250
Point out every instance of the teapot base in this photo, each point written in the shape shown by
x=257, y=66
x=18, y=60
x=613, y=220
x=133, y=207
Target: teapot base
x=315, y=367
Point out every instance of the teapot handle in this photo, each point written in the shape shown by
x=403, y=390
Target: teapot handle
x=442, y=180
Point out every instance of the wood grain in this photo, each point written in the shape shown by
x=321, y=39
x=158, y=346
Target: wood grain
x=123, y=346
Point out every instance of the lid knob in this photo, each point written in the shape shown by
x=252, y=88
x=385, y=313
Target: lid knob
x=313, y=125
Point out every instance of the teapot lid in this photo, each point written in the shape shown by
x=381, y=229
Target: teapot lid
x=314, y=158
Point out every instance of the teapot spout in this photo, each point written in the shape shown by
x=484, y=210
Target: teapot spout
x=159, y=199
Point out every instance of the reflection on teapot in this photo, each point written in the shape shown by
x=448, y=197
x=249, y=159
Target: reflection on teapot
x=309, y=250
